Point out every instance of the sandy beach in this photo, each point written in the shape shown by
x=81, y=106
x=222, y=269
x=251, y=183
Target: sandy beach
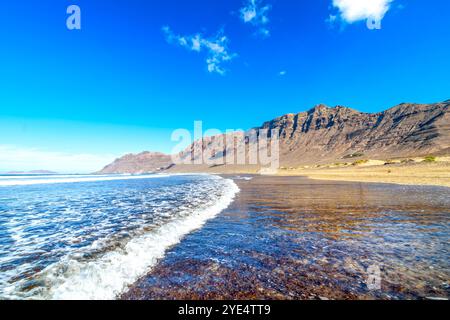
x=405, y=171
x=419, y=173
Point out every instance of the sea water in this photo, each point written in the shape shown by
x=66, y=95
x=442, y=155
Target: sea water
x=89, y=237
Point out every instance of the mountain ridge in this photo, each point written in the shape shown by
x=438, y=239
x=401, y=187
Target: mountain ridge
x=324, y=134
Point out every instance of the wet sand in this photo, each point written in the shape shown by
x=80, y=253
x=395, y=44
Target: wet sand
x=295, y=238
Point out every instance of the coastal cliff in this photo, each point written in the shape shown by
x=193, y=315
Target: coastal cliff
x=324, y=135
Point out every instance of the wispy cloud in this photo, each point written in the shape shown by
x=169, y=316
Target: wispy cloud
x=14, y=158
x=351, y=11
x=282, y=73
x=216, y=48
x=255, y=12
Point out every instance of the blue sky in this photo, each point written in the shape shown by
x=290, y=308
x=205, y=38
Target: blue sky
x=139, y=69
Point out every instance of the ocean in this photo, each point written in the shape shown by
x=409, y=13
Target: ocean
x=90, y=237
x=299, y=239
x=211, y=237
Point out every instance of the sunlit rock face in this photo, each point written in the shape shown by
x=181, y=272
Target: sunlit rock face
x=323, y=135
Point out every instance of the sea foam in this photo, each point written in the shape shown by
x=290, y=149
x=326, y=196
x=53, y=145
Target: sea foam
x=34, y=180
x=106, y=277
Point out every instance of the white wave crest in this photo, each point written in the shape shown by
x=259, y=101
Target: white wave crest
x=105, y=278
x=68, y=179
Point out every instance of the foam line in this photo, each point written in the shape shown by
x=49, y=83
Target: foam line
x=27, y=182
x=105, y=278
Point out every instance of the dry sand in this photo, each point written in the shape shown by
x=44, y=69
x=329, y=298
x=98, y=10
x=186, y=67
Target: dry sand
x=418, y=173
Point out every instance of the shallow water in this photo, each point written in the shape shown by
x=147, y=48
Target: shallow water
x=294, y=238
x=88, y=237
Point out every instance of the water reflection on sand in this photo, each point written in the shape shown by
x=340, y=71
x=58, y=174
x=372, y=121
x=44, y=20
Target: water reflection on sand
x=294, y=238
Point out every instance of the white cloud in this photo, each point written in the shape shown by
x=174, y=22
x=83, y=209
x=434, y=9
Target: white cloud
x=215, y=47
x=256, y=13
x=13, y=158
x=357, y=10
x=282, y=73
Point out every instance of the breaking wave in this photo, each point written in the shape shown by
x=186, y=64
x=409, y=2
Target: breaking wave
x=90, y=241
x=6, y=181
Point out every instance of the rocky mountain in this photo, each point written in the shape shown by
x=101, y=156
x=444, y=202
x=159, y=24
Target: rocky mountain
x=144, y=162
x=325, y=135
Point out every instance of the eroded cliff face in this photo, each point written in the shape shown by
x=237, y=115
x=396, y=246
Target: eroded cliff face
x=324, y=134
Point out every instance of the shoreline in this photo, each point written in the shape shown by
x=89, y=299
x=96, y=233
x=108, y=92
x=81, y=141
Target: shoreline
x=414, y=171
x=289, y=237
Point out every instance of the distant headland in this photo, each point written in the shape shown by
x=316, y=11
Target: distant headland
x=31, y=172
